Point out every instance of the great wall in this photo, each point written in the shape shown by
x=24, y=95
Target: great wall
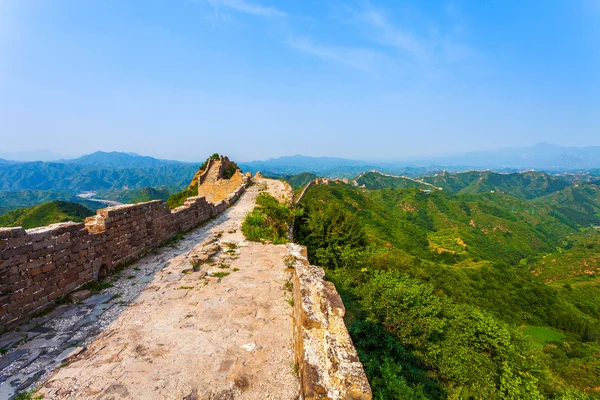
x=206, y=317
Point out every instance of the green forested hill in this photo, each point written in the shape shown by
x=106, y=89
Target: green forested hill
x=29, y=198
x=45, y=214
x=131, y=196
x=456, y=295
x=525, y=185
x=377, y=180
x=75, y=178
x=579, y=203
x=300, y=180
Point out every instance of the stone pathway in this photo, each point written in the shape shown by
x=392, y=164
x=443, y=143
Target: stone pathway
x=205, y=318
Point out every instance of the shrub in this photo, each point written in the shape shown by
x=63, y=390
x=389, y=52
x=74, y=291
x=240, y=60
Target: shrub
x=230, y=171
x=270, y=220
x=177, y=199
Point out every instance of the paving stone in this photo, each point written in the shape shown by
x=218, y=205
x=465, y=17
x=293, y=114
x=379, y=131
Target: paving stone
x=31, y=379
x=33, y=355
x=33, y=323
x=45, y=342
x=71, y=313
x=85, y=321
x=58, y=311
x=7, y=389
x=10, y=338
x=69, y=353
x=98, y=299
x=100, y=308
x=80, y=295
x=9, y=358
x=41, y=329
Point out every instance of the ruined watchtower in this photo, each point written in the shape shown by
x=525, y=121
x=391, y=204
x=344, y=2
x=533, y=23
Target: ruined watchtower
x=219, y=179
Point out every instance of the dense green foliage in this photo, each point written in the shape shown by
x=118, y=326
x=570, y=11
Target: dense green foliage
x=579, y=203
x=177, y=199
x=29, y=198
x=45, y=214
x=300, y=180
x=377, y=180
x=296, y=181
x=270, y=220
x=230, y=170
x=132, y=196
x=75, y=178
x=440, y=295
x=524, y=185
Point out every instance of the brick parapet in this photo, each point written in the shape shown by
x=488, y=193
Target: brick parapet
x=37, y=266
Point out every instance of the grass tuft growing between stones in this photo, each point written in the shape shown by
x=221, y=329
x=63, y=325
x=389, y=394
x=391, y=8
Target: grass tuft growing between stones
x=96, y=286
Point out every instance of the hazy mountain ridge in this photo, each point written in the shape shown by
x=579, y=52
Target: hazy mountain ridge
x=74, y=178
x=542, y=156
x=117, y=159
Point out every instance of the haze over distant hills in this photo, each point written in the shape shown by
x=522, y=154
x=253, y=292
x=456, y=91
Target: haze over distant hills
x=30, y=155
x=115, y=159
x=29, y=183
x=542, y=156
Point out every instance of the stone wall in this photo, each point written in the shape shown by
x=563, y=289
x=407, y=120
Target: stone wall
x=212, y=184
x=201, y=174
x=37, y=266
x=318, y=181
x=328, y=365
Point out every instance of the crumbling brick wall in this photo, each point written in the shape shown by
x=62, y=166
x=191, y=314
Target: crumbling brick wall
x=37, y=266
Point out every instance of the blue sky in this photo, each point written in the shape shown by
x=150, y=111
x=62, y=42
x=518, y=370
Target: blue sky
x=257, y=79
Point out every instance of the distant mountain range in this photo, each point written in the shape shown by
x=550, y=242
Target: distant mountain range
x=97, y=171
x=31, y=155
x=6, y=162
x=30, y=183
x=326, y=166
x=117, y=159
x=543, y=156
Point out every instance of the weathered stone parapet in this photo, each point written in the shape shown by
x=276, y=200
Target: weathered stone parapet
x=37, y=266
x=327, y=361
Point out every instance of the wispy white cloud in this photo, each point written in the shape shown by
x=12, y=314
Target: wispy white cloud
x=246, y=7
x=362, y=59
x=390, y=35
x=429, y=49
